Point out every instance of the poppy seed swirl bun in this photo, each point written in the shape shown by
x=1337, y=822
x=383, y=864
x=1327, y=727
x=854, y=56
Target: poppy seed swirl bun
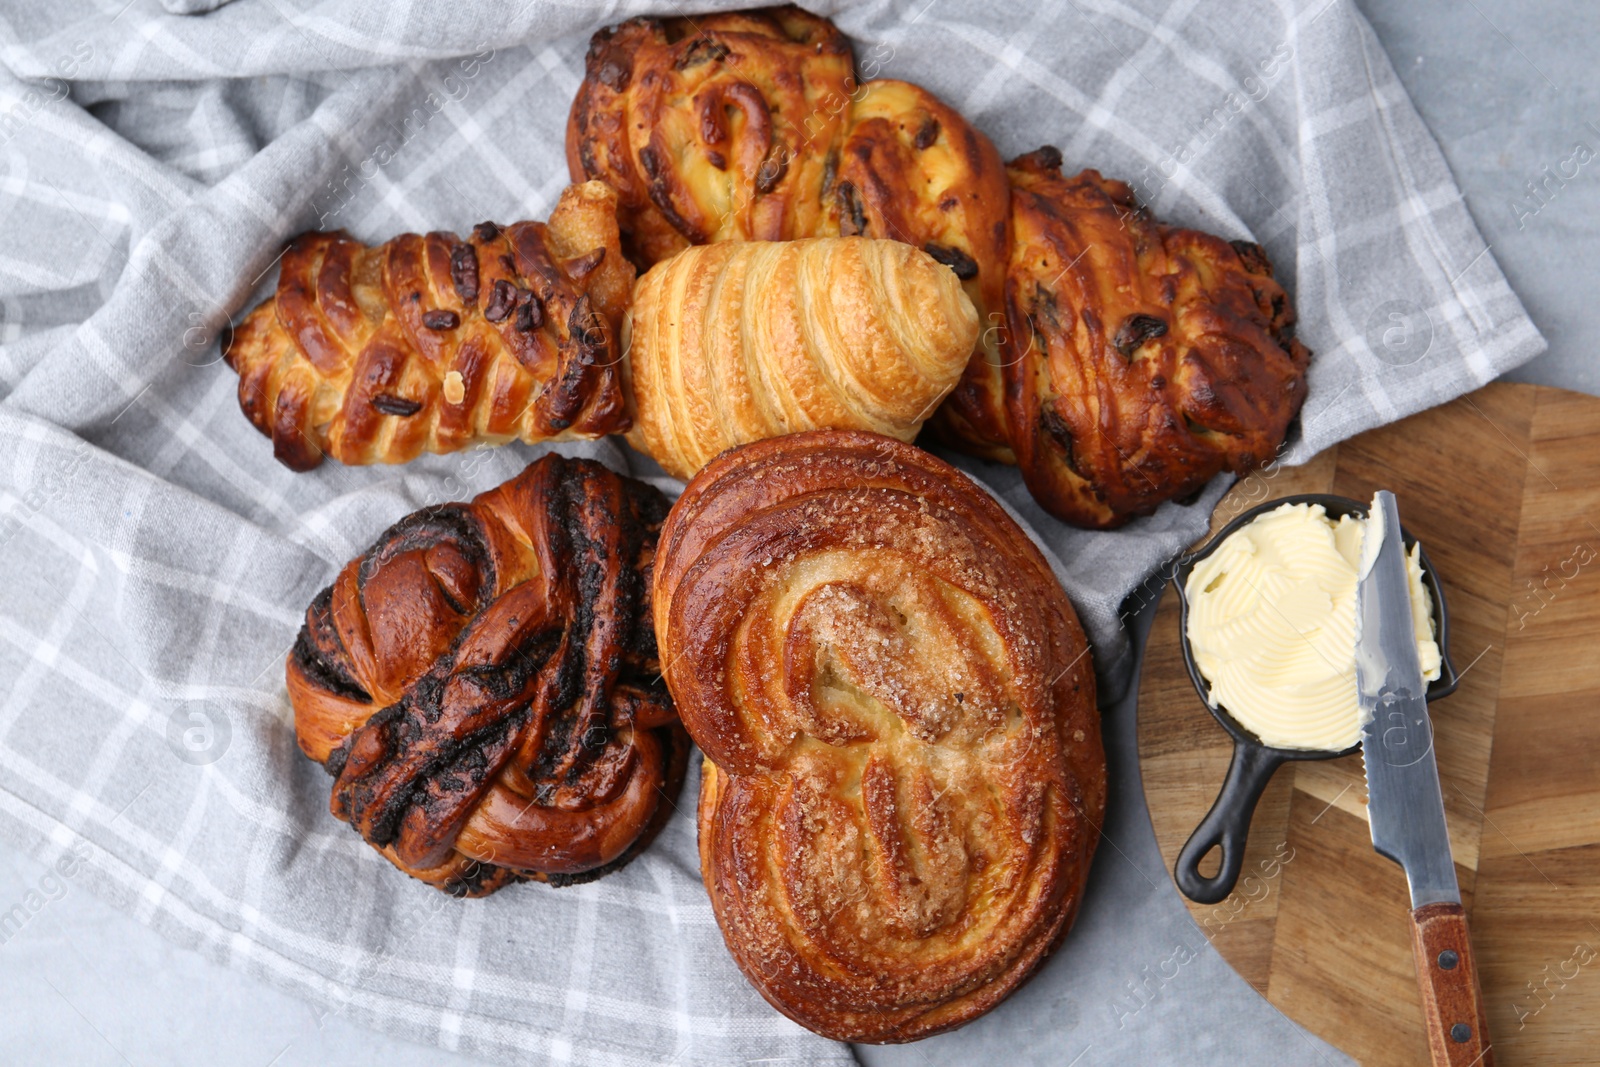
x=482, y=684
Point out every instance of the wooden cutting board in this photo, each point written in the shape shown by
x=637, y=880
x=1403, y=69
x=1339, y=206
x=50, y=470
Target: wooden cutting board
x=1503, y=487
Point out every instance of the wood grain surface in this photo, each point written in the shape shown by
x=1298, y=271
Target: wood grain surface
x=1503, y=487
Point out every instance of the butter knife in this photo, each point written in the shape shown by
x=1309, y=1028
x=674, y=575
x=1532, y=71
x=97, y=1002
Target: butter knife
x=1404, y=805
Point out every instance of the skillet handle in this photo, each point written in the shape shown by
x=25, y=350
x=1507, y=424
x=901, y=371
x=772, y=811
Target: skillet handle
x=1227, y=825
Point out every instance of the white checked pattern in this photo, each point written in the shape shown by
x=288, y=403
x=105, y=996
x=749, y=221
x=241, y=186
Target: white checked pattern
x=157, y=559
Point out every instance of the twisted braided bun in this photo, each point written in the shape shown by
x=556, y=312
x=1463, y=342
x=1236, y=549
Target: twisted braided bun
x=904, y=779
x=1141, y=358
x=751, y=126
x=431, y=343
x=482, y=684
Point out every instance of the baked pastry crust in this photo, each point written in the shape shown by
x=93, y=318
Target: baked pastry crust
x=1141, y=359
x=904, y=777
x=734, y=342
x=482, y=684
x=431, y=343
x=715, y=129
x=752, y=126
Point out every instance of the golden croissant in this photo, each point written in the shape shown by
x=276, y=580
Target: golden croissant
x=735, y=342
x=431, y=343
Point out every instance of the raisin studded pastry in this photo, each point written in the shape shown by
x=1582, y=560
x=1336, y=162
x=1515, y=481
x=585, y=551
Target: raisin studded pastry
x=431, y=343
x=904, y=777
x=752, y=126
x=1141, y=359
x=482, y=684
x=733, y=342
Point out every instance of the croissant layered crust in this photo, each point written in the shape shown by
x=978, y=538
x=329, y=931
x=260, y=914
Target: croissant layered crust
x=433, y=343
x=734, y=342
x=752, y=126
x=483, y=686
x=904, y=777
x=1141, y=359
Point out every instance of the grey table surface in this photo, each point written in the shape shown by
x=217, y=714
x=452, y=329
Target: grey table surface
x=1509, y=91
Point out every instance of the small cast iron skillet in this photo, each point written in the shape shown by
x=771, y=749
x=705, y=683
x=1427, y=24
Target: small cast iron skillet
x=1228, y=822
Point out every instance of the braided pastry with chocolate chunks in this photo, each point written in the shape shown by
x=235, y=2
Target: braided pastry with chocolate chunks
x=904, y=778
x=431, y=343
x=1141, y=358
x=482, y=683
x=751, y=126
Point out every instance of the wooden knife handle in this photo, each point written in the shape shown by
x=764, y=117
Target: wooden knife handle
x=1452, y=1002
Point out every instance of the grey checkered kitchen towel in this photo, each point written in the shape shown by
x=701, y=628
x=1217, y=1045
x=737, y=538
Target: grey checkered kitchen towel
x=157, y=560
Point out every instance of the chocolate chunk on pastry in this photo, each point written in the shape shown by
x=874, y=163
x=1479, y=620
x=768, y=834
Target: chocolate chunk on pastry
x=904, y=778
x=752, y=126
x=733, y=342
x=483, y=685
x=433, y=343
x=1141, y=359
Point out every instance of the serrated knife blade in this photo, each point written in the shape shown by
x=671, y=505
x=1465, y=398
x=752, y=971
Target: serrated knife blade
x=1404, y=804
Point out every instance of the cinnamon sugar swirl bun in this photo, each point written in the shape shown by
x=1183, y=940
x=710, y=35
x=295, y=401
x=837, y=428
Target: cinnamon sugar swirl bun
x=904, y=778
